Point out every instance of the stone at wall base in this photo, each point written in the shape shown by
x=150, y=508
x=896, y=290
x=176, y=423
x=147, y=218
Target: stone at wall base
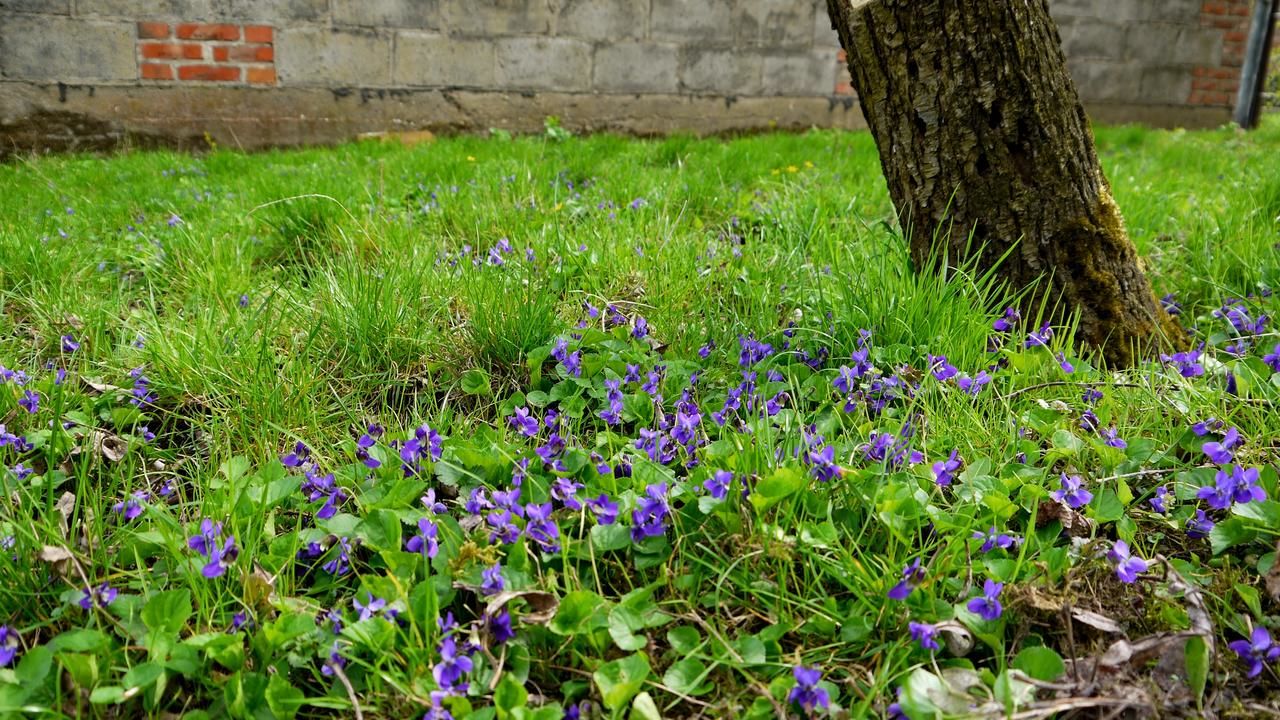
x=58, y=117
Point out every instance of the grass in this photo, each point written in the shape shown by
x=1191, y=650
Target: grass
x=227, y=307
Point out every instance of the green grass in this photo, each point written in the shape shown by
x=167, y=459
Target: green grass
x=300, y=296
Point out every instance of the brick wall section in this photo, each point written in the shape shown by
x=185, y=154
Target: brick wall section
x=206, y=52
x=1217, y=83
x=1157, y=61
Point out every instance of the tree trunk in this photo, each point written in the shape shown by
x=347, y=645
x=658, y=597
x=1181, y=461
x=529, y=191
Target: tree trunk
x=980, y=131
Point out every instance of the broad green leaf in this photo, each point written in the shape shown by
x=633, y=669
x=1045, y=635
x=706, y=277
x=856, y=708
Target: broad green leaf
x=643, y=708
x=581, y=611
x=1197, y=659
x=685, y=676
x=610, y=537
x=1229, y=533
x=1041, y=663
x=283, y=699
x=620, y=680
x=782, y=483
x=684, y=639
x=167, y=612
x=476, y=382
x=509, y=695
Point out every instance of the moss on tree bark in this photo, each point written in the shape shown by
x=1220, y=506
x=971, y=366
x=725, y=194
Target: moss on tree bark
x=981, y=132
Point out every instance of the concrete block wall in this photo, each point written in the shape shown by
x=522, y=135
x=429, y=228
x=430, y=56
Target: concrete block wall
x=269, y=72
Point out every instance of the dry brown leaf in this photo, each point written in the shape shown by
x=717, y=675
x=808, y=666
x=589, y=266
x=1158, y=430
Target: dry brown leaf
x=957, y=637
x=100, y=388
x=74, y=321
x=259, y=587
x=65, y=506
x=111, y=447
x=57, y=556
x=1097, y=621
x=1072, y=521
x=542, y=605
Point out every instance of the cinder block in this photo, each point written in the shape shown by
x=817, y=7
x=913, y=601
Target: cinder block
x=1089, y=38
x=1168, y=85
x=799, y=74
x=542, y=63
x=724, y=72
x=149, y=9
x=707, y=22
x=824, y=34
x=1100, y=80
x=497, y=17
x=274, y=11
x=321, y=56
x=635, y=67
x=36, y=47
x=416, y=14
x=48, y=7
x=597, y=20
x=426, y=59
x=1160, y=44
x=774, y=23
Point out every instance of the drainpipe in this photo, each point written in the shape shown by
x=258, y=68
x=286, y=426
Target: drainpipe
x=1254, y=74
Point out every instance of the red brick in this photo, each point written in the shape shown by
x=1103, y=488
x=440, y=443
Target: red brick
x=1241, y=10
x=214, y=73
x=155, y=71
x=160, y=51
x=208, y=31
x=1235, y=36
x=841, y=56
x=1204, y=84
x=1214, y=8
x=193, y=51
x=221, y=53
x=251, y=53
x=1224, y=72
x=153, y=30
x=844, y=88
x=261, y=76
x=258, y=33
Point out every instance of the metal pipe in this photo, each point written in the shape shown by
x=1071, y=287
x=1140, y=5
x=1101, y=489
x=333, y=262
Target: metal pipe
x=1252, y=76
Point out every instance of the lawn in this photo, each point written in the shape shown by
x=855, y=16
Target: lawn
x=549, y=426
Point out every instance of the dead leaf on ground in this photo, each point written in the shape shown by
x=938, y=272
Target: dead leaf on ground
x=65, y=506
x=1073, y=522
x=542, y=605
x=112, y=447
x=100, y=388
x=57, y=556
x=1097, y=621
x=259, y=587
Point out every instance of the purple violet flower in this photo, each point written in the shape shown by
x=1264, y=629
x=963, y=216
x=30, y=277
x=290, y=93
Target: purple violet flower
x=992, y=539
x=9, y=644
x=912, y=575
x=1199, y=525
x=605, y=510
x=925, y=634
x=806, y=693
x=1257, y=651
x=492, y=582
x=987, y=606
x=100, y=596
x=1128, y=567
x=425, y=541
x=1072, y=492
x=944, y=471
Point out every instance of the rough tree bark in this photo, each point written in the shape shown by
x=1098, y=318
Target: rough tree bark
x=980, y=130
